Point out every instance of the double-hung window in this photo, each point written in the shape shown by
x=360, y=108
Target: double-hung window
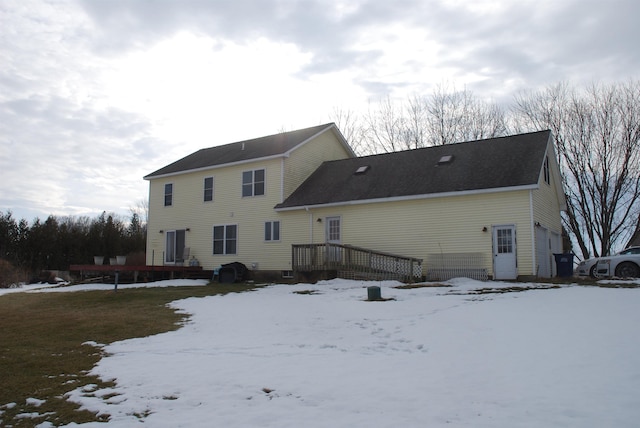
x=225, y=239
x=208, y=189
x=253, y=182
x=168, y=194
x=272, y=231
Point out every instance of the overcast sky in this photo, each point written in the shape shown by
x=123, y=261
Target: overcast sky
x=96, y=94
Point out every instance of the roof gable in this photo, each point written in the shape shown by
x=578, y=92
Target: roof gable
x=244, y=151
x=503, y=162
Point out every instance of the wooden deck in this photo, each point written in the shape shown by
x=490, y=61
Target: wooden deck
x=355, y=263
x=135, y=270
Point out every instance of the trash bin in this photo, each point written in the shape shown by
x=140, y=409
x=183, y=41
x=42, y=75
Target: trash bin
x=564, y=264
x=373, y=293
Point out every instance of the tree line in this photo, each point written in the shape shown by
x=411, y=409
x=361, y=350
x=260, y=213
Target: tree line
x=597, y=138
x=58, y=242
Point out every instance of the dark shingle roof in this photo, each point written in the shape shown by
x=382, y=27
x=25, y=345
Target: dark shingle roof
x=272, y=145
x=474, y=166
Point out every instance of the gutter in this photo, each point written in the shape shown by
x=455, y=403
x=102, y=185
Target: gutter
x=410, y=197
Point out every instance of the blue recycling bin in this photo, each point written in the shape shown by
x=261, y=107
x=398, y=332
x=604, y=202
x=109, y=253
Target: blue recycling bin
x=564, y=264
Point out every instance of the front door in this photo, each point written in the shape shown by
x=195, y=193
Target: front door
x=333, y=236
x=504, y=252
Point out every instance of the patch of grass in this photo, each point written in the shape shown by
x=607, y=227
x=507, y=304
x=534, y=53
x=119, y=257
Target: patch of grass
x=309, y=292
x=42, y=350
x=515, y=289
x=421, y=285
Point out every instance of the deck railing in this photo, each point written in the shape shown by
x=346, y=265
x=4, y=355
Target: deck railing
x=355, y=262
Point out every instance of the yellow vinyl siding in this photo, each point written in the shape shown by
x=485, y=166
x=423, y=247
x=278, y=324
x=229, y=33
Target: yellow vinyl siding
x=546, y=202
x=229, y=207
x=308, y=157
x=546, y=208
x=451, y=224
x=416, y=228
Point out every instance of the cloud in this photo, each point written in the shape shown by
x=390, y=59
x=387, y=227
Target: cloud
x=95, y=94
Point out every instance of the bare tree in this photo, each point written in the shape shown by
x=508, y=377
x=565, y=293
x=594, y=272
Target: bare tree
x=597, y=134
x=444, y=117
x=384, y=128
x=416, y=132
x=348, y=123
x=455, y=116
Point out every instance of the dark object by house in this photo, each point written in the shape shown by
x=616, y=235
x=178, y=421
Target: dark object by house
x=232, y=272
x=373, y=293
x=564, y=264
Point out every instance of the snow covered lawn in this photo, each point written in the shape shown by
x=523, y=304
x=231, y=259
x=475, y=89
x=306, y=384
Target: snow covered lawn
x=321, y=356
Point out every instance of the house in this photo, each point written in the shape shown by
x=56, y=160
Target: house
x=217, y=204
x=485, y=209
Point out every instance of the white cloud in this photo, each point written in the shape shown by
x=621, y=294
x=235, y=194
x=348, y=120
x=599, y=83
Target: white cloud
x=96, y=94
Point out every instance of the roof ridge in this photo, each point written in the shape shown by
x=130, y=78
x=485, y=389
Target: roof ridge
x=457, y=144
x=265, y=137
x=252, y=149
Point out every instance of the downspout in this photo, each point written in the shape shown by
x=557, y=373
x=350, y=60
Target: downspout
x=281, y=180
x=533, y=235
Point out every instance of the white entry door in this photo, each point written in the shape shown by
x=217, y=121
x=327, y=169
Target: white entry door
x=504, y=252
x=333, y=236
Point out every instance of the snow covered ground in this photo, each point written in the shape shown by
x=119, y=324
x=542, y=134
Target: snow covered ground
x=321, y=356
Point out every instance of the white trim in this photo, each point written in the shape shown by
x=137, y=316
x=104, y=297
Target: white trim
x=514, y=244
x=327, y=229
x=253, y=182
x=281, y=180
x=554, y=173
x=286, y=154
x=213, y=187
x=332, y=127
x=224, y=240
x=164, y=193
x=207, y=168
x=413, y=197
x=533, y=233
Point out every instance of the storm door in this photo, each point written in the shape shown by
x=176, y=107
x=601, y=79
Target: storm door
x=333, y=236
x=504, y=252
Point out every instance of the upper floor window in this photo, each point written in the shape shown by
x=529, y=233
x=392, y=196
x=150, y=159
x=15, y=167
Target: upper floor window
x=208, y=189
x=253, y=182
x=272, y=231
x=168, y=194
x=545, y=168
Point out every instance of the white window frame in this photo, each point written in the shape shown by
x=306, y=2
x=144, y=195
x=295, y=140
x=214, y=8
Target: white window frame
x=170, y=195
x=270, y=231
x=225, y=239
x=205, y=188
x=253, y=183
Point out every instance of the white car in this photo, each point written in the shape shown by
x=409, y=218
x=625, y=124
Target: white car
x=625, y=264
